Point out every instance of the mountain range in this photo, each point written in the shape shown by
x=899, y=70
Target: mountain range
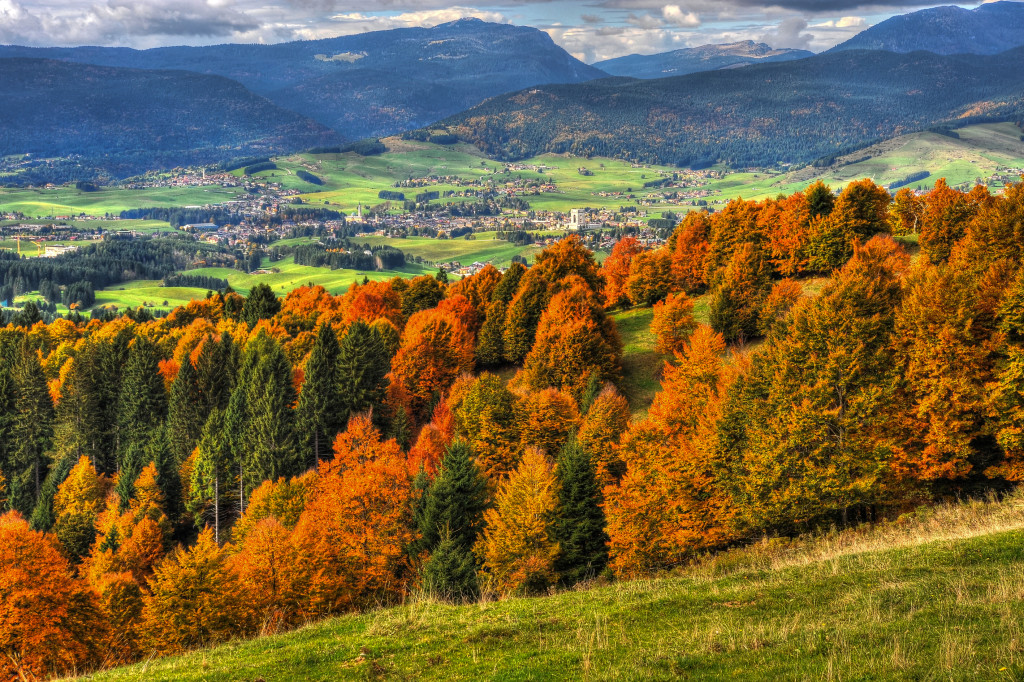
x=371, y=84
x=989, y=29
x=695, y=59
x=759, y=115
x=513, y=92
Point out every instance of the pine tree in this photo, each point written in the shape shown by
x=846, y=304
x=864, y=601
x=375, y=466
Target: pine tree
x=7, y=468
x=455, y=500
x=215, y=372
x=186, y=413
x=260, y=304
x=451, y=572
x=141, y=408
x=111, y=359
x=267, y=444
x=580, y=526
x=321, y=412
x=490, y=349
x=362, y=369
x=210, y=472
x=43, y=515
x=31, y=432
x=450, y=522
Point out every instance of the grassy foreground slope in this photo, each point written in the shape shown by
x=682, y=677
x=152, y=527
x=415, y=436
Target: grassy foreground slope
x=933, y=596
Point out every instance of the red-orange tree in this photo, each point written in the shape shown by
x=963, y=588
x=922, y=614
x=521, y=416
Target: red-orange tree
x=352, y=538
x=49, y=622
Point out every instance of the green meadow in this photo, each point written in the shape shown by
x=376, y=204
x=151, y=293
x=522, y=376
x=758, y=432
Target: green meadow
x=933, y=595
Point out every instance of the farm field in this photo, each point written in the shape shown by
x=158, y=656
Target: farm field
x=351, y=180
x=932, y=596
x=68, y=201
x=483, y=249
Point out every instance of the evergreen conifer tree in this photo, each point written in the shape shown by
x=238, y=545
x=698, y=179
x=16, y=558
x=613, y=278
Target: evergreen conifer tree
x=141, y=408
x=580, y=526
x=260, y=304
x=490, y=348
x=266, y=442
x=210, y=472
x=31, y=432
x=185, y=412
x=363, y=366
x=321, y=411
x=450, y=521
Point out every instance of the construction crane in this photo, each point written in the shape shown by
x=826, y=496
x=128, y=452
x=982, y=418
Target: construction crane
x=39, y=248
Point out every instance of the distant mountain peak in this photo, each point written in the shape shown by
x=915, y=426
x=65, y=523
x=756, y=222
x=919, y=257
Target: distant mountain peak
x=990, y=28
x=694, y=59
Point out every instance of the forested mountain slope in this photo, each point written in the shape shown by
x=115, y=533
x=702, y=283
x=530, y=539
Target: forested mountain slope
x=129, y=120
x=989, y=29
x=764, y=114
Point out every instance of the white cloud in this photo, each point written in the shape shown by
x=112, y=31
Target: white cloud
x=674, y=15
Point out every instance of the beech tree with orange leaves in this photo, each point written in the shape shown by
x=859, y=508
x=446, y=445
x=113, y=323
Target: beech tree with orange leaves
x=49, y=620
x=689, y=247
x=574, y=339
x=616, y=268
x=352, y=537
x=436, y=349
x=673, y=322
x=668, y=503
x=602, y=428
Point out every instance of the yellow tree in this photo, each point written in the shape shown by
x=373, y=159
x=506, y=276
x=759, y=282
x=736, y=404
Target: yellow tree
x=194, y=599
x=518, y=548
x=76, y=508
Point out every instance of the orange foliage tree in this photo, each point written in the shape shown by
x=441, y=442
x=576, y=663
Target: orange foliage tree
x=436, y=348
x=668, y=503
x=351, y=540
x=574, y=339
x=673, y=322
x=49, y=622
x=616, y=270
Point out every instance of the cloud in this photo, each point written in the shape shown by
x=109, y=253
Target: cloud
x=118, y=21
x=674, y=15
x=789, y=33
x=726, y=8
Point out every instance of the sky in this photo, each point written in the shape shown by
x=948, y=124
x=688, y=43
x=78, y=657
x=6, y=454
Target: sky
x=591, y=30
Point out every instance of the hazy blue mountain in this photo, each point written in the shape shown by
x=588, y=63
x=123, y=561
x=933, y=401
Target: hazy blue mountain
x=990, y=29
x=128, y=120
x=695, y=59
x=369, y=84
x=759, y=115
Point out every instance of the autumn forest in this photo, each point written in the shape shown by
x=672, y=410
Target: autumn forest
x=248, y=465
